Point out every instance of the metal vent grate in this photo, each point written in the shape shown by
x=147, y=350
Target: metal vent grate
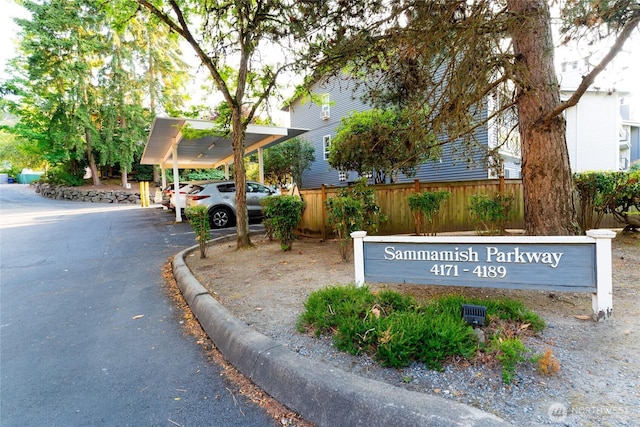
x=474, y=315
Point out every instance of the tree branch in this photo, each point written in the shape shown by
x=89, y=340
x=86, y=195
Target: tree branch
x=182, y=29
x=589, y=78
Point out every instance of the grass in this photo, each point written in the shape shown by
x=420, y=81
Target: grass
x=396, y=329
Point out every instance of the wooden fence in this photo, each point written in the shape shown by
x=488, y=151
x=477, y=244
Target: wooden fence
x=392, y=199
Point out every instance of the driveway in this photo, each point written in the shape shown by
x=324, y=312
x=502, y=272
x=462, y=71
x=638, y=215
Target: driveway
x=87, y=334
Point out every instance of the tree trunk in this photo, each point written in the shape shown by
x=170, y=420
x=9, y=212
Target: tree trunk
x=240, y=178
x=92, y=160
x=546, y=172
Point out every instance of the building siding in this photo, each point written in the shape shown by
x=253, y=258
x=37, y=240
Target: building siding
x=455, y=164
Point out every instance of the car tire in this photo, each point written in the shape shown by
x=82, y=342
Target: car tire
x=220, y=217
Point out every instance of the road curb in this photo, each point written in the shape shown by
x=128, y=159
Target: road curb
x=321, y=394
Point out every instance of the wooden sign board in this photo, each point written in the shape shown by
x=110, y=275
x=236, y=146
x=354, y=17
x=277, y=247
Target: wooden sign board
x=569, y=264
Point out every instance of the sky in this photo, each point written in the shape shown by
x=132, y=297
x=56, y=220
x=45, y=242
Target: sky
x=627, y=65
x=8, y=30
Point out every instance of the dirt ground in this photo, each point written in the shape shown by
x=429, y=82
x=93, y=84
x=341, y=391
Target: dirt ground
x=266, y=288
x=265, y=285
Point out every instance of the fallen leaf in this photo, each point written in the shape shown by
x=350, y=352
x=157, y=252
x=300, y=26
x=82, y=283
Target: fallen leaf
x=138, y=316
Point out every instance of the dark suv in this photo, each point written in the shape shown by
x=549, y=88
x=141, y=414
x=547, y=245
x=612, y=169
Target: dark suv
x=220, y=199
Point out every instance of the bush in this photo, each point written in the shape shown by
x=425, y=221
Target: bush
x=203, y=175
x=323, y=308
x=345, y=215
x=199, y=219
x=397, y=330
x=489, y=214
x=60, y=175
x=510, y=352
x=282, y=215
x=600, y=193
x=595, y=192
x=425, y=207
x=352, y=210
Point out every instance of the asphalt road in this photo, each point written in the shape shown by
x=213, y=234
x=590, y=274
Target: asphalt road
x=88, y=336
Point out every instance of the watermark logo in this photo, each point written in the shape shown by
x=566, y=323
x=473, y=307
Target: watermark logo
x=557, y=412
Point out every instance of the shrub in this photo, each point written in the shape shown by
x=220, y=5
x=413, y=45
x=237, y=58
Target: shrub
x=489, y=214
x=397, y=330
x=203, y=174
x=501, y=308
x=390, y=301
x=345, y=215
x=510, y=352
x=282, y=215
x=60, y=175
x=352, y=210
x=513, y=310
x=548, y=364
x=595, y=191
x=425, y=207
x=199, y=219
x=324, y=307
x=604, y=192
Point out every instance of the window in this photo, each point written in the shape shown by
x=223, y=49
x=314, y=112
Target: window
x=342, y=176
x=227, y=188
x=326, y=145
x=253, y=187
x=325, y=113
x=623, y=133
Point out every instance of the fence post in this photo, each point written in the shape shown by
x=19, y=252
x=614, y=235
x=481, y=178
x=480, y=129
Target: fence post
x=602, y=299
x=358, y=255
x=323, y=197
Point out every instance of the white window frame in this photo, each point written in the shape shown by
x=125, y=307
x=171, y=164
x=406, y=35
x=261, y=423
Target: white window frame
x=325, y=112
x=326, y=145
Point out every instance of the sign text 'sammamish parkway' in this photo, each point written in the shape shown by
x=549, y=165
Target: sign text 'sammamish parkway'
x=571, y=264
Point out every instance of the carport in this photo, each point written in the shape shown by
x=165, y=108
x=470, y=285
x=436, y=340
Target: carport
x=167, y=148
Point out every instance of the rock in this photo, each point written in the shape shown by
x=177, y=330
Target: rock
x=479, y=335
x=94, y=196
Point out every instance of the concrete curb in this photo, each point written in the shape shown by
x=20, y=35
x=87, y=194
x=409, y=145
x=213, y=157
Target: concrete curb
x=320, y=394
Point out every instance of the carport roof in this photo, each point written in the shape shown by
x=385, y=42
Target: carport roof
x=206, y=152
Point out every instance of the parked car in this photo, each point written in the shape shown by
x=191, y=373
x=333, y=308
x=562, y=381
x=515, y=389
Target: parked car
x=168, y=192
x=220, y=199
x=169, y=195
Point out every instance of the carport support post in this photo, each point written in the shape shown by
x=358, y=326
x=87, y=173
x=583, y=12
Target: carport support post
x=176, y=181
x=261, y=165
x=163, y=174
x=358, y=255
x=602, y=299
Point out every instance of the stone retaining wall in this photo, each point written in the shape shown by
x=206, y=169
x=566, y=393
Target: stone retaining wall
x=76, y=194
